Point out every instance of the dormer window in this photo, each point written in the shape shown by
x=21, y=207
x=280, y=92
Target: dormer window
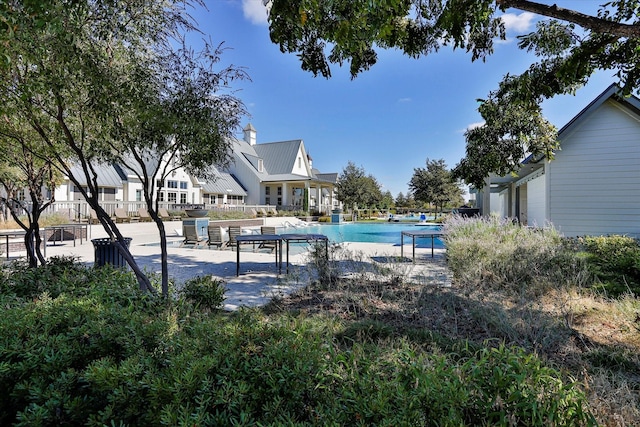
x=299, y=162
x=260, y=165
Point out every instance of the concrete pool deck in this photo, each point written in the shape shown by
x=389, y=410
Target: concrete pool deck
x=259, y=280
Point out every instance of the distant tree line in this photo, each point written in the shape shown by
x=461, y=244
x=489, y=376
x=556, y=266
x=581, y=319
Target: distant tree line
x=431, y=187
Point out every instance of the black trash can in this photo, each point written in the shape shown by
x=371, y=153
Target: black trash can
x=107, y=252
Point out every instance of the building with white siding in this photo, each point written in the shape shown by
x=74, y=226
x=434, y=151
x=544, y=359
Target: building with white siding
x=281, y=174
x=592, y=187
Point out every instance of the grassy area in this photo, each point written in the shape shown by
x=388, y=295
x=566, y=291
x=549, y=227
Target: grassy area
x=521, y=337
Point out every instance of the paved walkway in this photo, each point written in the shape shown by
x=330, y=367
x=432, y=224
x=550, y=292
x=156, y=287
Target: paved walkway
x=259, y=280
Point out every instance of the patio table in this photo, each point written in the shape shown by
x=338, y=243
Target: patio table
x=418, y=234
x=305, y=238
x=259, y=238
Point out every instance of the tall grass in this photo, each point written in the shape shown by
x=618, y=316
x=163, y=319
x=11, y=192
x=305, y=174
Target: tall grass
x=495, y=253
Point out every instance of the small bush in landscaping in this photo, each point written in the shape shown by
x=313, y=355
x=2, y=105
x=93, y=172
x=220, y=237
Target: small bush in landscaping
x=204, y=292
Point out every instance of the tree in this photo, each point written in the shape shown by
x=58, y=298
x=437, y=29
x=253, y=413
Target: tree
x=356, y=189
x=434, y=184
x=26, y=167
x=101, y=82
x=570, y=47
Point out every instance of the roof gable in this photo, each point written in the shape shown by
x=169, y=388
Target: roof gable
x=613, y=92
x=280, y=157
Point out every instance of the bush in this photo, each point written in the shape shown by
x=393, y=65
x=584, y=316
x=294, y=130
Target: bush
x=615, y=262
x=204, y=292
x=498, y=254
x=103, y=353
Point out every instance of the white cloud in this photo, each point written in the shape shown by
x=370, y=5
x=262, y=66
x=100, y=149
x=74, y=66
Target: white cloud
x=255, y=11
x=472, y=126
x=518, y=23
x=402, y=100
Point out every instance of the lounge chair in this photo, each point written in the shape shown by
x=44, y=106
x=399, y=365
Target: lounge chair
x=144, y=215
x=267, y=245
x=215, y=236
x=93, y=217
x=121, y=215
x=164, y=214
x=234, y=231
x=190, y=234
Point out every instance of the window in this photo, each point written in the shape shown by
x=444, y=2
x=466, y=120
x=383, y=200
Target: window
x=183, y=185
x=183, y=198
x=279, y=201
x=160, y=196
x=260, y=165
x=172, y=184
x=267, y=191
x=279, y=191
x=267, y=200
x=172, y=197
x=299, y=162
x=138, y=195
x=159, y=183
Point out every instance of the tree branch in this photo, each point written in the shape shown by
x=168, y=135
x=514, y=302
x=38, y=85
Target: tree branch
x=592, y=23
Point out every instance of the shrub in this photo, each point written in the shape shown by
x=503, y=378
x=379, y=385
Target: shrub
x=103, y=353
x=615, y=262
x=204, y=292
x=498, y=254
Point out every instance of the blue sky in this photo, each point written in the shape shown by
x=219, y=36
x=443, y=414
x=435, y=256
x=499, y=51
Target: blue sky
x=388, y=120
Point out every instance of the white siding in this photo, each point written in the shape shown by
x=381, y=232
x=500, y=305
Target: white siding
x=496, y=204
x=536, y=202
x=594, y=182
x=250, y=182
x=504, y=203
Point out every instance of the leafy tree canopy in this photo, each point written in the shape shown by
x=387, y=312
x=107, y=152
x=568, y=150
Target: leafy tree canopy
x=434, y=184
x=569, y=46
x=357, y=189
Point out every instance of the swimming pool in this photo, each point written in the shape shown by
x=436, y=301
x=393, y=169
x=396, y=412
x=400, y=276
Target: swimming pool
x=366, y=232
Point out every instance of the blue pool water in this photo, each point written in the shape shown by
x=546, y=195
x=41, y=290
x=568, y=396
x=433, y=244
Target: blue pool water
x=384, y=232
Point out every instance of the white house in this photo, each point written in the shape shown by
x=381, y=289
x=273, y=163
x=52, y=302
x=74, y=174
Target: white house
x=273, y=174
x=592, y=187
x=278, y=173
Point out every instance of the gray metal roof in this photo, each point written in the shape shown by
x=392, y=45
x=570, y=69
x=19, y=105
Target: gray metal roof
x=225, y=183
x=107, y=175
x=279, y=157
x=326, y=177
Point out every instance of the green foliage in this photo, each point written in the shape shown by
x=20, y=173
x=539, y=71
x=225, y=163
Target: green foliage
x=356, y=189
x=615, y=262
x=434, y=184
x=498, y=254
x=343, y=31
x=204, y=291
x=100, y=352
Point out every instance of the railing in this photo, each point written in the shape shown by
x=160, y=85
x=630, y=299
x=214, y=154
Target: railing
x=80, y=210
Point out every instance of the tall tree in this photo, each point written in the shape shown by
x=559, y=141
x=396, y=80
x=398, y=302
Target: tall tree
x=570, y=46
x=104, y=80
x=434, y=184
x=357, y=189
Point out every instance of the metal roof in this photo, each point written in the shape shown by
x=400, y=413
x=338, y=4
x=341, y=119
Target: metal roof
x=225, y=183
x=107, y=175
x=279, y=157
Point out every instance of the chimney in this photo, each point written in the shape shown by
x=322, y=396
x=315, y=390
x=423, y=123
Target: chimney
x=250, y=134
x=310, y=160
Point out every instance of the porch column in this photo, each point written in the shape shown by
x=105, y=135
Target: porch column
x=308, y=193
x=486, y=197
x=318, y=197
x=285, y=194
